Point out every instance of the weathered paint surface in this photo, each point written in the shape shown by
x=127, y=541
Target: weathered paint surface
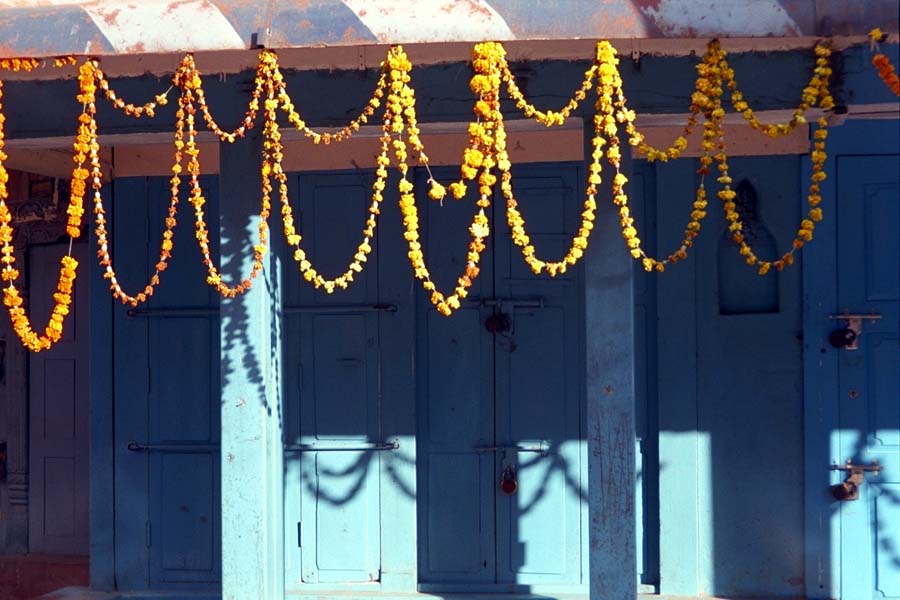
x=110, y=27
x=610, y=410
x=251, y=406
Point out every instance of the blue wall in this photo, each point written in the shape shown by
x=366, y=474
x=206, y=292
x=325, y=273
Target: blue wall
x=722, y=379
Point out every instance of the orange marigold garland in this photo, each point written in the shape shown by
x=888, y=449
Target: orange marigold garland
x=12, y=298
x=188, y=79
x=168, y=234
x=883, y=65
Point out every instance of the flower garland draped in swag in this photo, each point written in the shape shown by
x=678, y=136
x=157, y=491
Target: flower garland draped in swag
x=485, y=163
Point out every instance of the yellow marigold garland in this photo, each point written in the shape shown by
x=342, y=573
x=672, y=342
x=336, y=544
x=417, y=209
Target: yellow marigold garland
x=492, y=61
x=811, y=95
x=549, y=118
x=130, y=109
x=30, y=64
x=401, y=104
x=817, y=155
x=189, y=76
x=294, y=117
x=883, y=65
x=707, y=99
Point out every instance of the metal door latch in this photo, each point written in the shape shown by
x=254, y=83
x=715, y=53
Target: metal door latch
x=849, y=488
x=848, y=337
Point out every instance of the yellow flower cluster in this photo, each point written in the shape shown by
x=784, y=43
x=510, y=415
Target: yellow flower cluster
x=883, y=65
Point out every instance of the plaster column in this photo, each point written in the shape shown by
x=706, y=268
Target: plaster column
x=609, y=327
x=252, y=473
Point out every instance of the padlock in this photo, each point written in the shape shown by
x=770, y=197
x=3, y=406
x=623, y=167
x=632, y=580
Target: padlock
x=846, y=490
x=842, y=338
x=508, y=482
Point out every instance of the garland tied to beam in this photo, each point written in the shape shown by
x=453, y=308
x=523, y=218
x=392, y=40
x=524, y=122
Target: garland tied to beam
x=485, y=162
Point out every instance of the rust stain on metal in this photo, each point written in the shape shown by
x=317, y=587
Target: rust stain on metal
x=472, y=6
x=647, y=4
x=112, y=16
x=351, y=35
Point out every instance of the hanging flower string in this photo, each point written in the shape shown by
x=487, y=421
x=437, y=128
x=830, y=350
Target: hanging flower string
x=498, y=68
x=85, y=145
x=706, y=100
x=822, y=74
x=485, y=160
x=882, y=63
x=273, y=153
x=401, y=104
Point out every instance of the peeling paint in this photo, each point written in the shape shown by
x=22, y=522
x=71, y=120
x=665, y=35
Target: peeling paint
x=52, y=27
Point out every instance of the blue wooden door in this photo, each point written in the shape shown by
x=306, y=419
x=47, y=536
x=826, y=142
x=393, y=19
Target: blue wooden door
x=504, y=403
x=332, y=366
x=167, y=382
x=868, y=253
x=58, y=414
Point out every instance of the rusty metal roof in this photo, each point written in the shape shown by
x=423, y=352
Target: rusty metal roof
x=103, y=27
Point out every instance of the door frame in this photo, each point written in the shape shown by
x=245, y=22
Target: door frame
x=820, y=364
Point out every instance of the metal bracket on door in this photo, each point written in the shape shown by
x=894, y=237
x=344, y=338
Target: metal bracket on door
x=339, y=309
x=848, y=337
x=849, y=488
x=136, y=447
x=499, y=303
x=373, y=447
x=543, y=448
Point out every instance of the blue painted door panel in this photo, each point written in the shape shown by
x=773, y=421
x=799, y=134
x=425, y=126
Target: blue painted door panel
x=537, y=388
x=332, y=360
x=58, y=413
x=869, y=281
x=455, y=409
x=167, y=398
x=514, y=392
